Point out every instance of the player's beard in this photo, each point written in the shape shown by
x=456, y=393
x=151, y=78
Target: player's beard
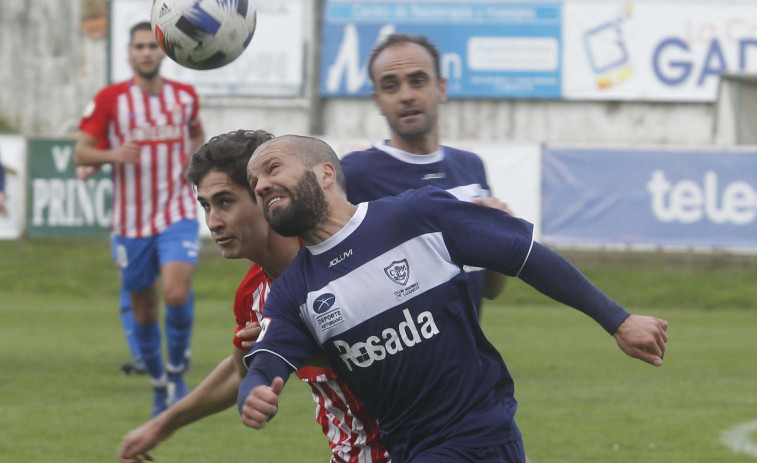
x=149, y=74
x=307, y=208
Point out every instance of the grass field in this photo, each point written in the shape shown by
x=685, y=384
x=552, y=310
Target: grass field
x=62, y=398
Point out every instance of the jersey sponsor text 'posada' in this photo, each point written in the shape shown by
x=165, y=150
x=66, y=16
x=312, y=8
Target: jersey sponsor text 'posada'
x=364, y=353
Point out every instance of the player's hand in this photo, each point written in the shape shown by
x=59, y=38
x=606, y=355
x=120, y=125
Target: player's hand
x=495, y=203
x=126, y=153
x=262, y=404
x=137, y=443
x=643, y=338
x=2, y=202
x=84, y=172
x=249, y=334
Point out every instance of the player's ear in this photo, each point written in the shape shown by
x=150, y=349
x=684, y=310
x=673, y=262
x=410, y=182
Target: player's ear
x=442, y=90
x=328, y=176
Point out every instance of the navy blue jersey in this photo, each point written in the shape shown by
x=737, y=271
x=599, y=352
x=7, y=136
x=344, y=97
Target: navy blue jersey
x=386, y=171
x=388, y=301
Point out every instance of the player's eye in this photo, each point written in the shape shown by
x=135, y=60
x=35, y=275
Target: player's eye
x=389, y=86
x=418, y=81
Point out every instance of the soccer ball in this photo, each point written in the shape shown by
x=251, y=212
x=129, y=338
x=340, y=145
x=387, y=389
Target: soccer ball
x=203, y=34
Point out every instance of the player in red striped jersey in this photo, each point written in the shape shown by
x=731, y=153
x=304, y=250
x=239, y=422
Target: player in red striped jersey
x=237, y=224
x=147, y=127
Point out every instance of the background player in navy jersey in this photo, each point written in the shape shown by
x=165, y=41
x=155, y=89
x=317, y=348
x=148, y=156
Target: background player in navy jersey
x=408, y=89
x=380, y=288
x=236, y=222
x=147, y=127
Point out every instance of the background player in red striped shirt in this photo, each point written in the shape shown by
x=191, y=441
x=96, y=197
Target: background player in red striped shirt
x=218, y=170
x=147, y=127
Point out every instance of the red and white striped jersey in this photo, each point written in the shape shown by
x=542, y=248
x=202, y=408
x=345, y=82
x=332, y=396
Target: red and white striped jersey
x=153, y=193
x=353, y=434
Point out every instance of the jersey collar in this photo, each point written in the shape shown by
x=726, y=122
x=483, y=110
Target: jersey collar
x=410, y=158
x=342, y=234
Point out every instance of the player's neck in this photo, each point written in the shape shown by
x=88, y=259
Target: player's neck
x=422, y=145
x=149, y=85
x=281, y=253
x=340, y=212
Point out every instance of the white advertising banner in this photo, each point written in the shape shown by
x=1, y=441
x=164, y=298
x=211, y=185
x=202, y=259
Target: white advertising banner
x=513, y=170
x=644, y=50
x=13, y=159
x=272, y=65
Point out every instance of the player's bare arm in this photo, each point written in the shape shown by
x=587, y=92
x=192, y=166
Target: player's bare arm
x=85, y=172
x=86, y=152
x=216, y=393
x=196, y=139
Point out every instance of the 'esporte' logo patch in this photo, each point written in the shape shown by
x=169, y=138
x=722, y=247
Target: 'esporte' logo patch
x=398, y=271
x=328, y=315
x=323, y=303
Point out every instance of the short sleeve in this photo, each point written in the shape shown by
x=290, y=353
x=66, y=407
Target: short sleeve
x=97, y=115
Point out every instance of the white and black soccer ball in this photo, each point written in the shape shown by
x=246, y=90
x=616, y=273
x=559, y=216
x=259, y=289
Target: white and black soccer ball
x=203, y=34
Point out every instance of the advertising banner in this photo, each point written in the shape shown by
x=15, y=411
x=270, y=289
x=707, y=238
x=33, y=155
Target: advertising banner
x=272, y=65
x=513, y=171
x=489, y=49
x=698, y=199
x=657, y=51
x=13, y=163
x=59, y=204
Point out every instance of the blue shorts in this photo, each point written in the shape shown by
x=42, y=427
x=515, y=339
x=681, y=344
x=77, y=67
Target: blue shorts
x=140, y=259
x=511, y=452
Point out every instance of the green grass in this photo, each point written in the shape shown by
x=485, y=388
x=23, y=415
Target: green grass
x=62, y=398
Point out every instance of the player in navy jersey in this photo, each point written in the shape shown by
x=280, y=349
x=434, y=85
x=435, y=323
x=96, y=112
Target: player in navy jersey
x=147, y=127
x=380, y=288
x=408, y=89
x=236, y=223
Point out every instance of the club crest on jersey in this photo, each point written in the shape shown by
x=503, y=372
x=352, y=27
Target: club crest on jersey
x=398, y=271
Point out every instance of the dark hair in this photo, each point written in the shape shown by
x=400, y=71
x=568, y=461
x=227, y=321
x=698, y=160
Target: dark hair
x=140, y=26
x=395, y=39
x=227, y=153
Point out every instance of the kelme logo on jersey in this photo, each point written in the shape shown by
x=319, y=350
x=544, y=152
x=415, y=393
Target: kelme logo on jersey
x=408, y=334
x=323, y=303
x=398, y=271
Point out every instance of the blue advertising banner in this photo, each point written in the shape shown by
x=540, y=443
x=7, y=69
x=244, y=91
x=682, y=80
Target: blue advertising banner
x=650, y=198
x=490, y=49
